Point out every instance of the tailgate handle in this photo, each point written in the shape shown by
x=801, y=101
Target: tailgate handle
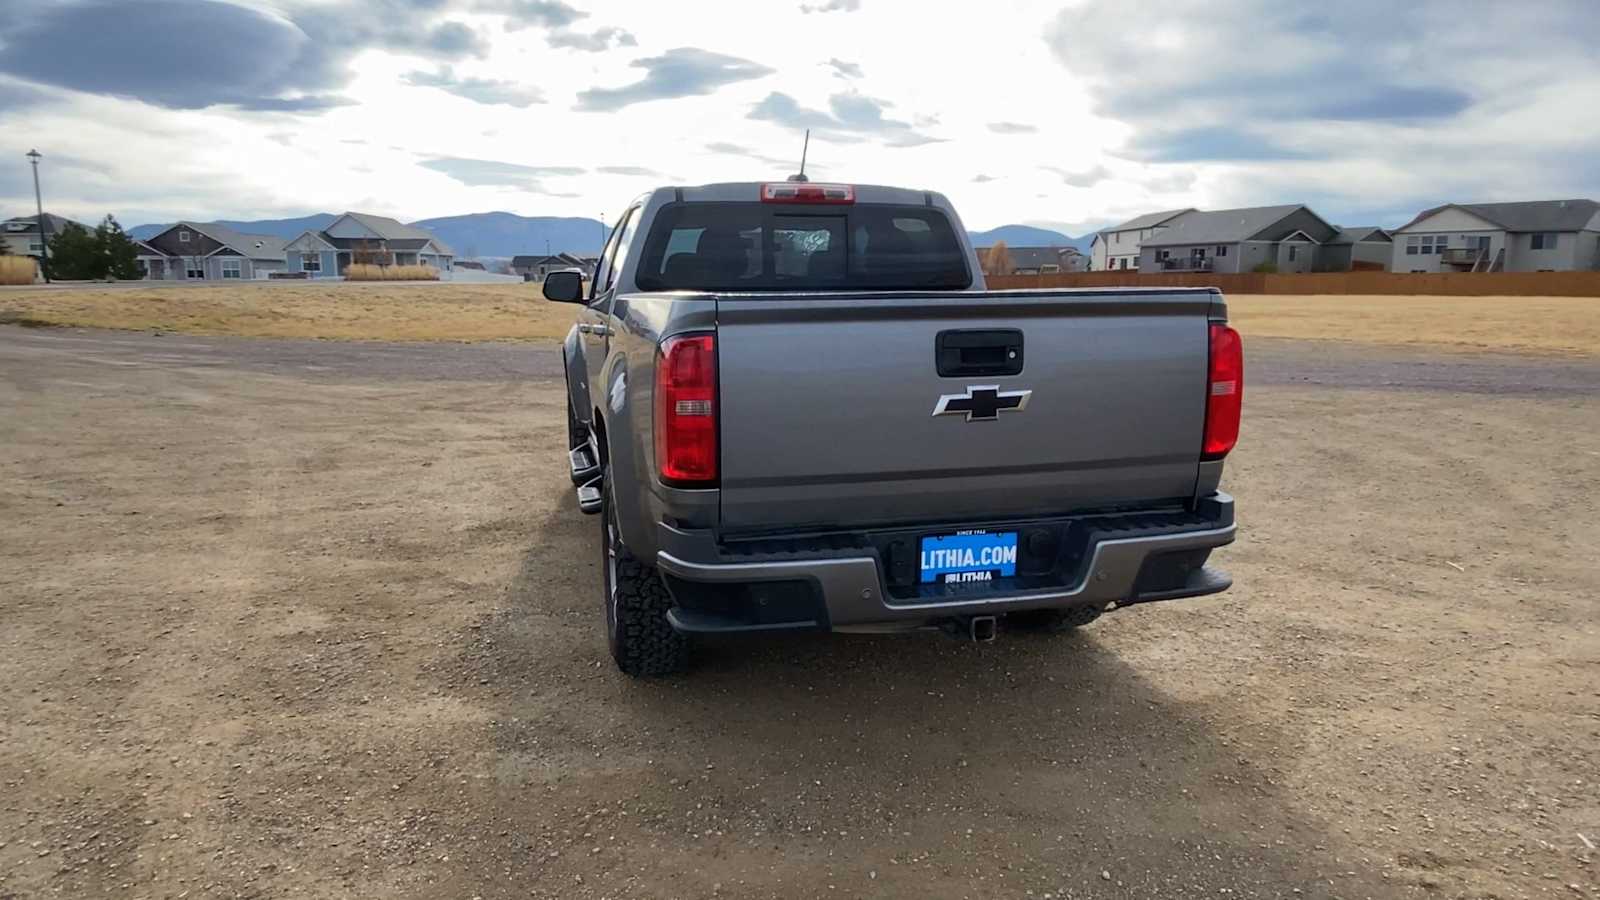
x=962, y=354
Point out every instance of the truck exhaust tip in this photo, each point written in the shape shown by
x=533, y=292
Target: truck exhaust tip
x=982, y=628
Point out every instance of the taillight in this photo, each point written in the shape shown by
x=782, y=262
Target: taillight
x=1224, y=392
x=805, y=192
x=686, y=410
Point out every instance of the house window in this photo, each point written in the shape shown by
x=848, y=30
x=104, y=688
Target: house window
x=311, y=262
x=183, y=237
x=1161, y=255
x=1222, y=249
x=1544, y=240
x=1427, y=244
x=232, y=268
x=35, y=247
x=1124, y=262
x=1294, y=252
x=1116, y=238
x=1197, y=253
x=194, y=269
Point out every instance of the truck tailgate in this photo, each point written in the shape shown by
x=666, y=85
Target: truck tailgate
x=827, y=406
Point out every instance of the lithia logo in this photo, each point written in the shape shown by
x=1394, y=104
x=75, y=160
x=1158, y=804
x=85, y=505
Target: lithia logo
x=968, y=557
x=982, y=403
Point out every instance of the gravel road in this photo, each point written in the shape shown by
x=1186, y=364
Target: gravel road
x=303, y=619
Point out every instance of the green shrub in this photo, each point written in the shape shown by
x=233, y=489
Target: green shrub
x=1266, y=268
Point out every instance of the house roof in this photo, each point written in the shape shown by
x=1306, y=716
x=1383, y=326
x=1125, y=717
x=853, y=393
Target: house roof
x=539, y=259
x=255, y=246
x=145, y=249
x=1361, y=234
x=393, y=231
x=1148, y=220
x=1034, y=257
x=56, y=223
x=1534, y=215
x=1222, y=226
x=316, y=236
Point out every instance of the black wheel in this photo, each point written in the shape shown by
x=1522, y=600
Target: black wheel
x=642, y=642
x=1054, y=621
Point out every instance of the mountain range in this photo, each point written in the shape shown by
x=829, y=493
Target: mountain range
x=500, y=234
x=1028, y=236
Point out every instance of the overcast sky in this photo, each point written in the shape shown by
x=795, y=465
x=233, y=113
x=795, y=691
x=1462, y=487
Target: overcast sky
x=1071, y=115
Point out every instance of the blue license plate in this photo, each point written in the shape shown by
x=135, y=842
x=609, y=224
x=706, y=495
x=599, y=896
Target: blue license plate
x=969, y=557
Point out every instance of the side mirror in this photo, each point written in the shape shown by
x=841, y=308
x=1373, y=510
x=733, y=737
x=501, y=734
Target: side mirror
x=564, y=287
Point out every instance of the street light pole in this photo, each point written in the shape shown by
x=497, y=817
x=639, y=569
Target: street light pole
x=44, y=227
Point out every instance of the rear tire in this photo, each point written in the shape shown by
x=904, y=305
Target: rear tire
x=1055, y=621
x=643, y=643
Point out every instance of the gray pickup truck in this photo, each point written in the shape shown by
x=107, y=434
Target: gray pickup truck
x=796, y=406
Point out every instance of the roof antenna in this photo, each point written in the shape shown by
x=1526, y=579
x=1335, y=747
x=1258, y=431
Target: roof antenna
x=803, y=149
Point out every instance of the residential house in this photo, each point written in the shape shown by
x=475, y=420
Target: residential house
x=1537, y=236
x=150, y=260
x=1043, y=260
x=194, y=251
x=1238, y=240
x=1071, y=259
x=1118, y=248
x=535, y=268
x=1357, y=247
x=365, y=238
x=21, y=236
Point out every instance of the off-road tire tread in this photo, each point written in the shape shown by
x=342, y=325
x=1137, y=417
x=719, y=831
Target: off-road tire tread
x=647, y=644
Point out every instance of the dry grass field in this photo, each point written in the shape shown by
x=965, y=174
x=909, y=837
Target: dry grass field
x=473, y=312
x=1568, y=325
x=379, y=311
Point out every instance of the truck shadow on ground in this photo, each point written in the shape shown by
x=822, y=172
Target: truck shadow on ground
x=1040, y=760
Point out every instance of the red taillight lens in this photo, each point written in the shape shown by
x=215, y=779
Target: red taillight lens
x=686, y=410
x=803, y=192
x=1224, y=392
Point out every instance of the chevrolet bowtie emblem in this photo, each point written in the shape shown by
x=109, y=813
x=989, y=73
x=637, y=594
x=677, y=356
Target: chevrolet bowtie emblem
x=981, y=402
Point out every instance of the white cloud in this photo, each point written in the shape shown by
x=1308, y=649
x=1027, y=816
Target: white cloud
x=1359, y=115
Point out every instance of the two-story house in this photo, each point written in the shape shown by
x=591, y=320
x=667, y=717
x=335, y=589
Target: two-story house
x=23, y=237
x=1536, y=236
x=1118, y=248
x=1288, y=238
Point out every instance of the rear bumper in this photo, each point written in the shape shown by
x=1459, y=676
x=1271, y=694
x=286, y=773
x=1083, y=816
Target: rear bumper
x=845, y=588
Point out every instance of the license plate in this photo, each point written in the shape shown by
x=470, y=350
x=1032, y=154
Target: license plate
x=969, y=557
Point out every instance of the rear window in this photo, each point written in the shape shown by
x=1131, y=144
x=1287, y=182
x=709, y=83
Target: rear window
x=770, y=247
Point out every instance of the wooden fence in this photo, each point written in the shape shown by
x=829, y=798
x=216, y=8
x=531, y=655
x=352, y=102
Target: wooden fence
x=1450, y=284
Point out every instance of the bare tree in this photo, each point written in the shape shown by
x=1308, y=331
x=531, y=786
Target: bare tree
x=998, y=260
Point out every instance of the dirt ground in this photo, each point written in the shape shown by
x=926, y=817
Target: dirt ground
x=479, y=312
x=285, y=620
